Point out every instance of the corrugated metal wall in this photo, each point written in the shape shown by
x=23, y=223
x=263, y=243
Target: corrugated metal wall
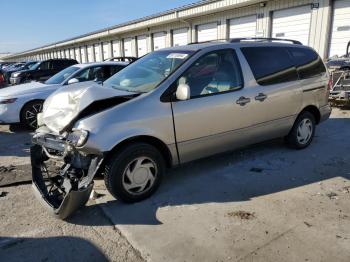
x=219, y=12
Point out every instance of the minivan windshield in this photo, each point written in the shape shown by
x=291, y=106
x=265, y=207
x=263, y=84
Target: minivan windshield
x=148, y=72
x=61, y=76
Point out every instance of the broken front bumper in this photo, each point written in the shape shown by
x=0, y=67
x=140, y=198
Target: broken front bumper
x=65, y=192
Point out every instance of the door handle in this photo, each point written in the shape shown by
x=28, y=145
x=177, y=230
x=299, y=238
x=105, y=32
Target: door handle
x=261, y=97
x=242, y=101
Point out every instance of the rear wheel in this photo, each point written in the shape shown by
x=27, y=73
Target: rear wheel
x=30, y=112
x=303, y=131
x=135, y=172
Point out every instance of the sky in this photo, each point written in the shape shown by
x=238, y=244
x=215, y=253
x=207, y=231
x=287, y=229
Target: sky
x=27, y=24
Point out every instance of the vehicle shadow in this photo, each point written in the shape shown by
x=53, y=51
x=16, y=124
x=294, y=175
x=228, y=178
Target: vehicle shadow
x=49, y=249
x=241, y=175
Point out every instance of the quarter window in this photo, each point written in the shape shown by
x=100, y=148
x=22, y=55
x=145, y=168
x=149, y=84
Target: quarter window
x=308, y=62
x=215, y=72
x=44, y=66
x=270, y=65
x=114, y=69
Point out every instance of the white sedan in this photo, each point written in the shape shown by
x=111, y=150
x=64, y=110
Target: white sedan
x=22, y=103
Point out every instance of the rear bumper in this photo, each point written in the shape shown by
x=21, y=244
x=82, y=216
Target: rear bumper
x=325, y=112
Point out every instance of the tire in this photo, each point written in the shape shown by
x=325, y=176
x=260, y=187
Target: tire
x=303, y=131
x=134, y=173
x=29, y=114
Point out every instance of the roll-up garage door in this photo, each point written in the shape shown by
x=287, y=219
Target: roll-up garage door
x=71, y=53
x=66, y=52
x=207, y=32
x=292, y=23
x=142, y=45
x=82, y=54
x=159, y=40
x=77, y=54
x=116, y=48
x=180, y=37
x=58, y=54
x=128, y=47
x=97, y=49
x=243, y=27
x=90, y=53
x=341, y=28
x=62, y=53
x=106, y=50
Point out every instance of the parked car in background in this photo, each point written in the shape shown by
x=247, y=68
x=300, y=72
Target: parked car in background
x=129, y=59
x=15, y=68
x=2, y=80
x=340, y=63
x=23, y=102
x=173, y=106
x=3, y=65
x=41, y=71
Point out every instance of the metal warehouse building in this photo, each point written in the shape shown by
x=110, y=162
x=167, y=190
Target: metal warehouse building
x=321, y=24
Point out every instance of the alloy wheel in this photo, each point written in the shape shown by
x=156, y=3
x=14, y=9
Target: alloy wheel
x=30, y=115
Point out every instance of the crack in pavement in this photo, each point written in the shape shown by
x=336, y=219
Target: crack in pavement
x=267, y=243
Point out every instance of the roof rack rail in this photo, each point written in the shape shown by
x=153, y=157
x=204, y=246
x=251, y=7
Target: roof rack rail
x=262, y=39
x=209, y=41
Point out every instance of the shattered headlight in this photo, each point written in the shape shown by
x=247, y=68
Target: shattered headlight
x=78, y=137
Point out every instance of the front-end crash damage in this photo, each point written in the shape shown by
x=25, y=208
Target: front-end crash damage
x=67, y=189
x=58, y=144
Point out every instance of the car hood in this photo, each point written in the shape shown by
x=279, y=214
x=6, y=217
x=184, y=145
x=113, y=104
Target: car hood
x=25, y=71
x=24, y=89
x=67, y=105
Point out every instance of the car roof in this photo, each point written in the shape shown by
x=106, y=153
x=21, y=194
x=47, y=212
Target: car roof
x=100, y=64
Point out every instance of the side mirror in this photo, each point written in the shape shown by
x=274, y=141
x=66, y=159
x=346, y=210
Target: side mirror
x=73, y=81
x=98, y=81
x=183, y=92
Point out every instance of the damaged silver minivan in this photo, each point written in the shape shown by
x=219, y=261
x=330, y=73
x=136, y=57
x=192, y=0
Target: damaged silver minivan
x=170, y=107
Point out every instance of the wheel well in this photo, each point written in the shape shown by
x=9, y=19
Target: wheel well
x=160, y=145
x=315, y=111
x=31, y=101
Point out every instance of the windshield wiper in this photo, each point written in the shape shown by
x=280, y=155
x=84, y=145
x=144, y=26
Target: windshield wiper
x=127, y=90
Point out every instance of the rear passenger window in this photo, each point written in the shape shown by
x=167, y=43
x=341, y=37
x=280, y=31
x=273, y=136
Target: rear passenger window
x=308, y=62
x=270, y=65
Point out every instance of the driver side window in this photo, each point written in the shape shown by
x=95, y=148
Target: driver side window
x=215, y=72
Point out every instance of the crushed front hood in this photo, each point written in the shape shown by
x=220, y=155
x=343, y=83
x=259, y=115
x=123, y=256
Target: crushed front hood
x=64, y=106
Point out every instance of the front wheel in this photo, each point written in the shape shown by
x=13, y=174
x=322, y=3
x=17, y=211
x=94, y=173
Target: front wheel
x=30, y=112
x=135, y=172
x=302, y=132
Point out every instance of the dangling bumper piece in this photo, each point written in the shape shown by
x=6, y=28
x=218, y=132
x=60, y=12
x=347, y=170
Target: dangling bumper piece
x=70, y=189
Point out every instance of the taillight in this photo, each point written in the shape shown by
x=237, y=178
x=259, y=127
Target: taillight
x=330, y=84
x=2, y=79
